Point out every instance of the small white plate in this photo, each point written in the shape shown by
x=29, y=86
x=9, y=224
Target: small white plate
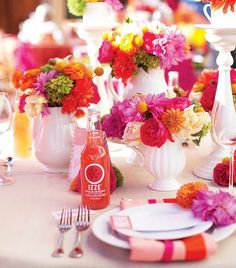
x=161, y=217
x=102, y=230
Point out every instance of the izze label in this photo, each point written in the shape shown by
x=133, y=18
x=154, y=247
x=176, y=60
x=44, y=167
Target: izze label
x=94, y=174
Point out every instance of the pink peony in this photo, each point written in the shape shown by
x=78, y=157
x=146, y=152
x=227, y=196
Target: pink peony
x=106, y=53
x=218, y=207
x=154, y=133
x=116, y=4
x=148, y=38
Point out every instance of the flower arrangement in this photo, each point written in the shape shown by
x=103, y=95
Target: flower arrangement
x=137, y=45
x=218, y=207
x=77, y=7
x=221, y=172
x=60, y=83
x=154, y=119
x=226, y=5
x=206, y=84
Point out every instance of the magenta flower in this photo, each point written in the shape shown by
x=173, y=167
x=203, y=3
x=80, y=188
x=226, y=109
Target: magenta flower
x=22, y=103
x=220, y=207
x=106, y=53
x=42, y=79
x=154, y=133
x=148, y=38
x=116, y=4
x=115, y=123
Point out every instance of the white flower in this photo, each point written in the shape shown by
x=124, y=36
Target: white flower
x=34, y=105
x=194, y=123
x=132, y=133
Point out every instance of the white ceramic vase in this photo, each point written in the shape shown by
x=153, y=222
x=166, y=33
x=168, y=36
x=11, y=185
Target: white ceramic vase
x=151, y=82
x=165, y=164
x=53, y=137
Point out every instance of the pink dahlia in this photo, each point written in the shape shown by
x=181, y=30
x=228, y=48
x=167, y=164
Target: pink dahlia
x=170, y=48
x=220, y=207
x=114, y=124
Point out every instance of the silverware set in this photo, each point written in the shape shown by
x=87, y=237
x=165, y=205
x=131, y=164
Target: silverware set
x=82, y=223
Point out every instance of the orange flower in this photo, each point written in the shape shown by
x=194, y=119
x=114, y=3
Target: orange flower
x=77, y=71
x=29, y=78
x=173, y=119
x=188, y=192
x=16, y=78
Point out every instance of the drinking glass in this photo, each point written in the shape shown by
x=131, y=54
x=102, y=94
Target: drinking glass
x=5, y=124
x=224, y=128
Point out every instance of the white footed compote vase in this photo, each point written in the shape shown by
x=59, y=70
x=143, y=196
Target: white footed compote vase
x=97, y=19
x=165, y=164
x=224, y=40
x=53, y=137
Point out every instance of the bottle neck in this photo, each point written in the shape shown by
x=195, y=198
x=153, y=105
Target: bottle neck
x=94, y=138
x=94, y=129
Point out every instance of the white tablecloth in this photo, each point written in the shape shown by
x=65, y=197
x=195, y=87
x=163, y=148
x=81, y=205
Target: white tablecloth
x=28, y=232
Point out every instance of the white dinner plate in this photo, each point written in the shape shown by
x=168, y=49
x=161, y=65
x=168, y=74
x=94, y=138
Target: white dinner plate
x=163, y=221
x=102, y=230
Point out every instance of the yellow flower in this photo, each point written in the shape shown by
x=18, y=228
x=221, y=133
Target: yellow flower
x=138, y=40
x=234, y=88
x=126, y=43
x=145, y=29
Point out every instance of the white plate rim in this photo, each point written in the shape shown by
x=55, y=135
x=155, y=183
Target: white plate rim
x=101, y=230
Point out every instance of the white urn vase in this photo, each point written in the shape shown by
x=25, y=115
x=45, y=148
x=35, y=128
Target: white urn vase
x=53, y=137
x=165, y=164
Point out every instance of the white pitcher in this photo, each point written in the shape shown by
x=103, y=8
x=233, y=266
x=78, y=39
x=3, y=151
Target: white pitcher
x=151, y=82
x=165, y=164
x=53, y=137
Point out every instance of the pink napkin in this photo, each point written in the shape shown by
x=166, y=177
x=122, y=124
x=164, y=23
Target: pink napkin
x=192, y=248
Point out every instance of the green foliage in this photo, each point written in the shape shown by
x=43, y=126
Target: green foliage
x=119, y=176
x=76, y=7
x=202, y=133
x=146, y=61
x=46, y=68
x=57, y=88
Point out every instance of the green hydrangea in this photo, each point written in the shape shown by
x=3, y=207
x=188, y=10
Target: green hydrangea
x=46, y=68
x=119, y=176
x=57, y=88
x=76, y=7
x=146, y=61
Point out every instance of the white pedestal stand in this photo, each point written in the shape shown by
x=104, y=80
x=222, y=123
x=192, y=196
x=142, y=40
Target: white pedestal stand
x=224, y=41
x=92, y=34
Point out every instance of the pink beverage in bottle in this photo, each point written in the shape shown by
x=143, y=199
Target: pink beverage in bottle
x=95, y=165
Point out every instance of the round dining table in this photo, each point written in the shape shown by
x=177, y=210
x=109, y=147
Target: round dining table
x=28, y=231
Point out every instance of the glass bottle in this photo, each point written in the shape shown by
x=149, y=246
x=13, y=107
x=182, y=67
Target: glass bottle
x=95, y=165
x=22, y=132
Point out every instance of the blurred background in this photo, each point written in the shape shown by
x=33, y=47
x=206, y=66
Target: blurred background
x=33, y=31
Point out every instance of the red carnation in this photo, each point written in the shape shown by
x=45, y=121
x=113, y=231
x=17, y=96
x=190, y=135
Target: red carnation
x=154, y=133
x=123, y=66
x=221, y=174
x=83, y=93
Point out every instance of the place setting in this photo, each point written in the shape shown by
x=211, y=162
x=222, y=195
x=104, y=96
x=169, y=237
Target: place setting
x=164, y=230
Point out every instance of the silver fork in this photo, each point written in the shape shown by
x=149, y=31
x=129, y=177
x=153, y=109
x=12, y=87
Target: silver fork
x=82, y=223
x=65, y=225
